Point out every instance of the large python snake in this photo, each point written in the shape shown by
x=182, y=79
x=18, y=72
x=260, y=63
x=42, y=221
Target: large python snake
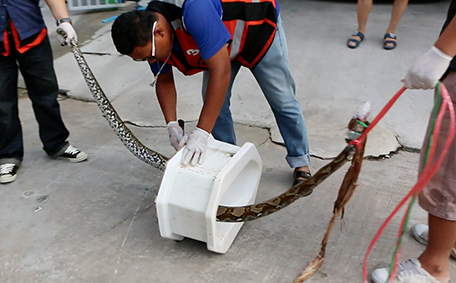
x=157, y=160
x=135, y=146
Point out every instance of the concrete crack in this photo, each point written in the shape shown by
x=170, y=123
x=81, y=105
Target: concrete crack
x=143, y=126
x=104, y=232
x=137, y=213
x=252, y=126
x=128, y=231
x=406, y=148
x=263, y=142
x=149, y=126
x=98, y=53
x=380, y=157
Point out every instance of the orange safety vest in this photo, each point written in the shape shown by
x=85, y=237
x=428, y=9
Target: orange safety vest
x=251, y=23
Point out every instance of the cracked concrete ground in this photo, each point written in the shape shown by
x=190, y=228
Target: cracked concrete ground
x=95, y=221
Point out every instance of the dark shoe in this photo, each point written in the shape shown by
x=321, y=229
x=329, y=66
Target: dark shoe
x=73, y=154
x=304, y=176
x=389, y=41
x=8, y=172
x=353, y=42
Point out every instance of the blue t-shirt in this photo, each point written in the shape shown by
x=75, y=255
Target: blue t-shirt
x=203, y=20
x=208, y=31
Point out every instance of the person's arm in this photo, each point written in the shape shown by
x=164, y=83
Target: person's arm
x=219, y=76
x=431, y=66
x=58, y=9
x=166, y=95
x=65, y=30
x=167, y=98
x=447, y=41
x=211, y=36
x=220, y=72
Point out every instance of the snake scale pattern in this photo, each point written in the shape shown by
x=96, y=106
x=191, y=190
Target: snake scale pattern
x=157, y=160
x=255, y=211
x=135, y=146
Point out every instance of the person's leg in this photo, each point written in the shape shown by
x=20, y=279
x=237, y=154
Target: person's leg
x=11, y=144
x=390, y=40
x=438, y=198
x=420, y=232
x=276, y=82
x=399, y=8
x=38, y=71
x=224, y=129
x=442, y=237
x=363, y=10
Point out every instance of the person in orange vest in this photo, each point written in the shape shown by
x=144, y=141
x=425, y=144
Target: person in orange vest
x=216, y=37
x=24, y=46
x=438, y=198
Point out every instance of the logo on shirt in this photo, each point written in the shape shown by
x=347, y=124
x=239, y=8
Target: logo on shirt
x=193, y=52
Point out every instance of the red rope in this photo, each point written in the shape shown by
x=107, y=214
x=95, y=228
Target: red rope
x=426, y=175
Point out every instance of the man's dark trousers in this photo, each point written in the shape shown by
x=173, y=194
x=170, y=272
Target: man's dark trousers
x=36, y=66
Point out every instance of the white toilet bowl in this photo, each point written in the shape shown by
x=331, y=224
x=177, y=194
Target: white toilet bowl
x=189, y=196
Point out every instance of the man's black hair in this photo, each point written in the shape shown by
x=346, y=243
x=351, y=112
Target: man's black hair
x=132, y=29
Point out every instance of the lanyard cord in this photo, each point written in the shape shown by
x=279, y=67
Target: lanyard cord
x=152, y=84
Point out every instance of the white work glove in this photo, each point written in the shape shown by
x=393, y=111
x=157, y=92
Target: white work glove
x=427, y=70
x=195, y=150
x=177, y=137
x=65, y=33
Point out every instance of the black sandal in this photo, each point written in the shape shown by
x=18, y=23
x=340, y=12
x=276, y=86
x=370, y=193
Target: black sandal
x=353, y=42
x=390, y=41
x=301, y=174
